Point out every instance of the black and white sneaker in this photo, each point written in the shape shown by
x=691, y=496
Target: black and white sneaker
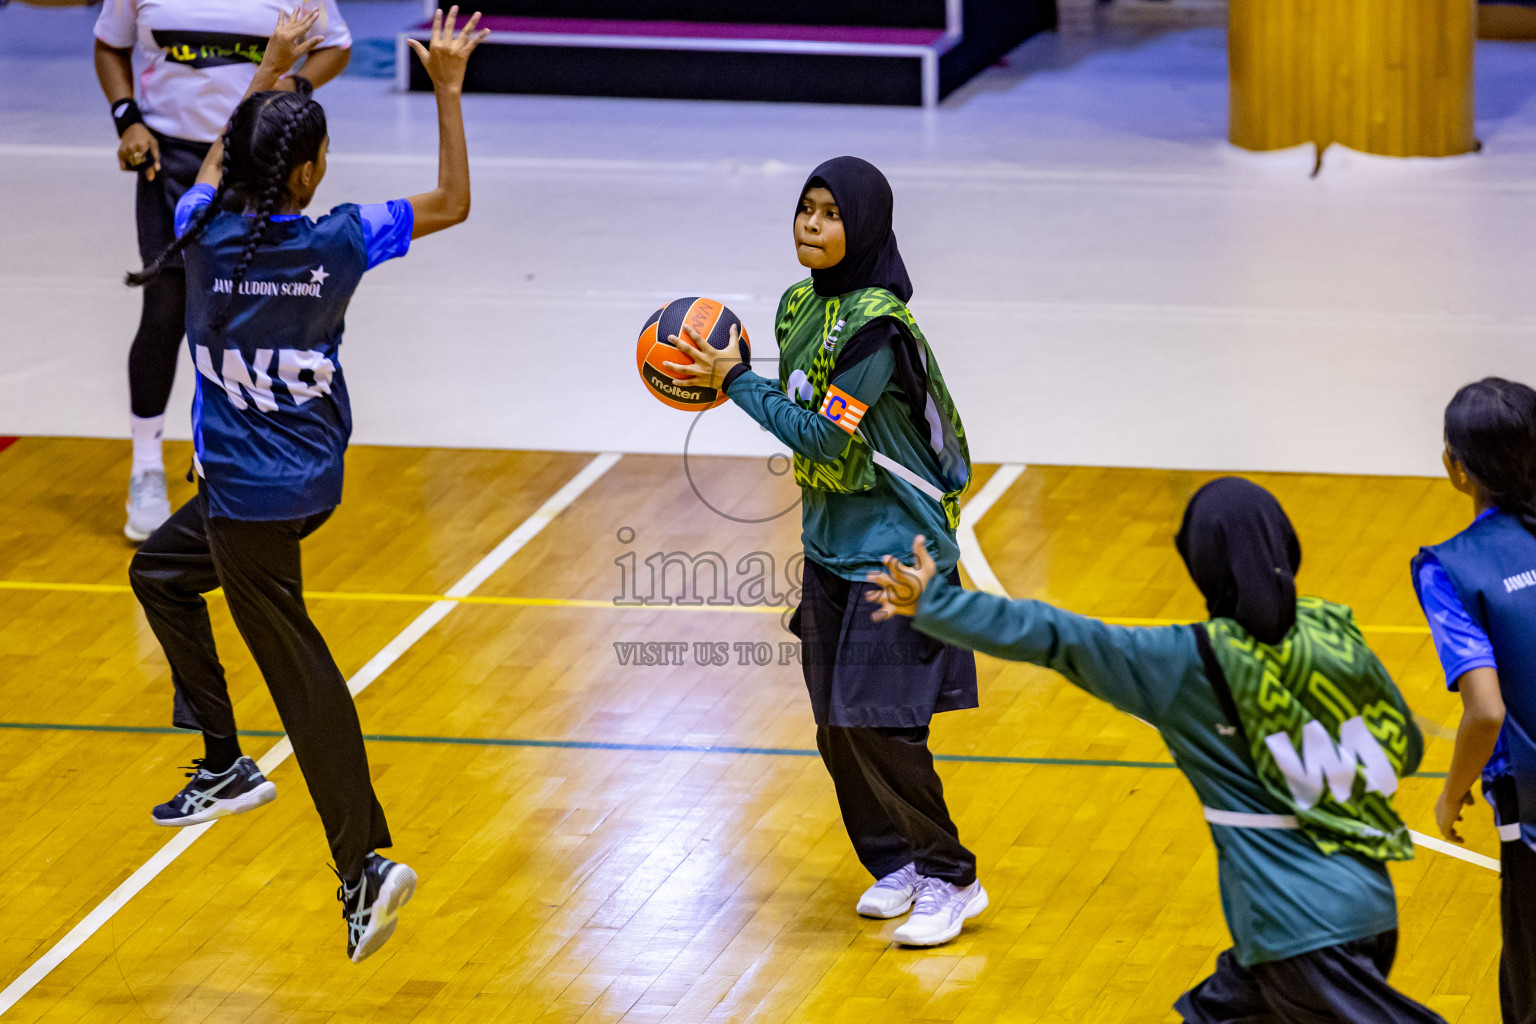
x=242, y=788
x=370, y=907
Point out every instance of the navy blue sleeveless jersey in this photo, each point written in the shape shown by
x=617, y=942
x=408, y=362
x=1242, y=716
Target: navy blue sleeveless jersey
x=270, y=417
x=1492, y=565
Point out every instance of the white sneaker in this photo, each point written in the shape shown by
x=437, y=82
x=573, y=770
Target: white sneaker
x=940, y=911
x=148, y=505
x=892, y=895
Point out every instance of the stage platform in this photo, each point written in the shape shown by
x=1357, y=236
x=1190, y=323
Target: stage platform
x=844, y=51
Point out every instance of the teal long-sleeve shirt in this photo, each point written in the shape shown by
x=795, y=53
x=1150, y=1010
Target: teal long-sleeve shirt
x=849, y=533
x=1281, y=895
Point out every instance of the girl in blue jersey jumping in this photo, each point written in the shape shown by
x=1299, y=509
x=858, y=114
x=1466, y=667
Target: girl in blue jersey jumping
x=1478, y=590
x=267, y=291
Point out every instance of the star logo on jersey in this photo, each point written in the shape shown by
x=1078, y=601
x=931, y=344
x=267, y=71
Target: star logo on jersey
x=318, y=275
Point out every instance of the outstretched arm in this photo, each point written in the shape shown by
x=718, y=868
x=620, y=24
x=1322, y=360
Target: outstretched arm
x=445, y=61
x=1137, y=669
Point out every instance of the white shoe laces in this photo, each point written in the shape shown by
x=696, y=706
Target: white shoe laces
x=901, y=878
x=146, y=487
x=932, y=894
x=359, y=917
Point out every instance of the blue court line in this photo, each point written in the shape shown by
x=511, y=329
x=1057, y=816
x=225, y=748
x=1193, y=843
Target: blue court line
x=660, y=748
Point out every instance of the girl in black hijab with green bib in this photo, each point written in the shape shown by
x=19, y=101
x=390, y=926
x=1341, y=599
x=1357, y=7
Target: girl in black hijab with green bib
x=880, y=455
x=1287, y=727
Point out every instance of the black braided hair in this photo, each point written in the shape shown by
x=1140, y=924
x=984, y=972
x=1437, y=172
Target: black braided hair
x=269, y=134
x=274, y=178
x=280, y=130
x=194, y=230
x=1490, y=428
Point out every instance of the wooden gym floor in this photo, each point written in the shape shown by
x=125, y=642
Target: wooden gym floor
x=600, y=841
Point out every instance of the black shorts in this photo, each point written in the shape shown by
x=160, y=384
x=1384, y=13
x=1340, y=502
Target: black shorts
x=866, y=674
x=155, y=204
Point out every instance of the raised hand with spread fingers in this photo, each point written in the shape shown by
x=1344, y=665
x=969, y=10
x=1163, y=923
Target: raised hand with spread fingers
x=445, y=60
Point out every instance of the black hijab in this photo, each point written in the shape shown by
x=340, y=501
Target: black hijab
x=864, y=202
x=1243, y=554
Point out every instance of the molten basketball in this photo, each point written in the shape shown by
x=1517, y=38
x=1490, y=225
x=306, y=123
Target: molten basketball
x=713, y=323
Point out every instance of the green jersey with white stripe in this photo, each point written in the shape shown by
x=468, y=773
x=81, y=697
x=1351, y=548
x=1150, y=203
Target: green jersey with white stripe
x=858, y=506
x=813, y=331
x=1282, y=896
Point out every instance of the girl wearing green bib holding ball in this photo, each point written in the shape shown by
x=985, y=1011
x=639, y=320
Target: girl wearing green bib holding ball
x=880, y=455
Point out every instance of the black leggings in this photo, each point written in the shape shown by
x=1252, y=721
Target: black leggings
x=157, y=345
x=152, y=359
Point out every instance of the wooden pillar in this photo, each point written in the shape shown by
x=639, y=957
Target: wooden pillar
x=1381, y=76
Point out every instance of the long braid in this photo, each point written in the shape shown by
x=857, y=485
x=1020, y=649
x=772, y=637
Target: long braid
x=274, y=183
x=1518, y=501
x=1525, y=511
x=1522, y=504
x=194, y=231
x=1519, y=497
x=259, y=145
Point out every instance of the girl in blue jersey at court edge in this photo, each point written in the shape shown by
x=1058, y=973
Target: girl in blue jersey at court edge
x=267, y=291
x=1478, y=590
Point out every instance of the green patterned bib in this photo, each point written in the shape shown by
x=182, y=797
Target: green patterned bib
x=811, y=332
x=1329, y=733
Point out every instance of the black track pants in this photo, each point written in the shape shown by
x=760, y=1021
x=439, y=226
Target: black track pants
x=1346, y=983
x=1517, y=962
x=893, y=802
x=258, y=565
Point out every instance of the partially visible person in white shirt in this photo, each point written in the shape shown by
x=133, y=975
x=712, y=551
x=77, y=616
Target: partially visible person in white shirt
x=174, y=71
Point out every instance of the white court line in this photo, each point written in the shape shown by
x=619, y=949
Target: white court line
x=1452, y=850
x=1223, y=172
x=54, y=285
x=980, y=570
x=280, y=750
x=971, y=555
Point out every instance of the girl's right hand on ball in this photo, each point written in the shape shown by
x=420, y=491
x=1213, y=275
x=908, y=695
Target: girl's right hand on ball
x=708, y=365
x=449, y=54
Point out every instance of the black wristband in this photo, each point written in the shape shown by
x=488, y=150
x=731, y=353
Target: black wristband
x=731, y=375
x=125, y=114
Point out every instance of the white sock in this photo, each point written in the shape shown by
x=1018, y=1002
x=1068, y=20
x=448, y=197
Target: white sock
x=146, y=443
